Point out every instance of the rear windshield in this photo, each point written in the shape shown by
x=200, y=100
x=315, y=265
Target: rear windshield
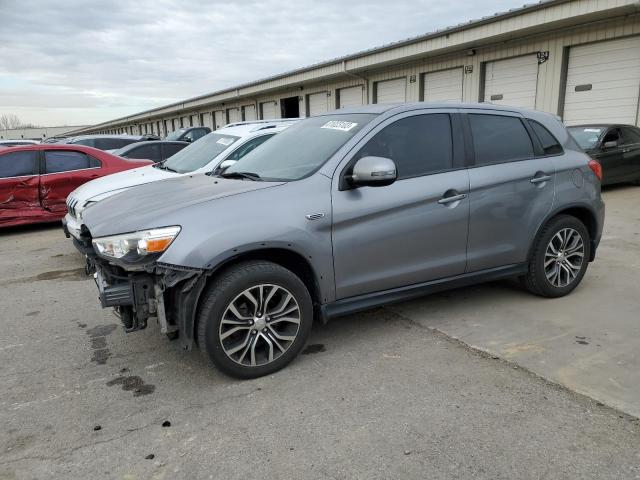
x=586, y=137
x=199, y=153
x=302, y=148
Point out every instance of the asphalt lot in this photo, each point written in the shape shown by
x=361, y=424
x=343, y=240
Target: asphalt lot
x=381, y=394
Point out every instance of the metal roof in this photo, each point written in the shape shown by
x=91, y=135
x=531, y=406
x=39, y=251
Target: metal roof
x=436, y=33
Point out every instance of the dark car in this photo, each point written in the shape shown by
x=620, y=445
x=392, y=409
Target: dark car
x=190, y=134
x=156, y=151
x=107, y=142
x=36, y=179
x=616, y=147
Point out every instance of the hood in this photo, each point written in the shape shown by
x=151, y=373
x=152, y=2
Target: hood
x=149, y=205
x=117, y=182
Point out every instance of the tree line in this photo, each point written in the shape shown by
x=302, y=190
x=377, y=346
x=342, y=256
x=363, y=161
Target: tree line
x=10, y=121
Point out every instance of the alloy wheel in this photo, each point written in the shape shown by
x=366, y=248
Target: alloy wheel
x=564, y=257
x=259, y=325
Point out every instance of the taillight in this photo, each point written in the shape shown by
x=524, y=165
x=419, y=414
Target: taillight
x=596, y=168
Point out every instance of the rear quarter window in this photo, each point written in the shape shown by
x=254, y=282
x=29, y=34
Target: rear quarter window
x=549, y=143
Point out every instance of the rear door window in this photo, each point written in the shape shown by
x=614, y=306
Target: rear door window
x=419, y=145
x=18, y=164
x=499, y=139
x=171, y=149
x=149, y=152
x=630, y=135
x=57, y=161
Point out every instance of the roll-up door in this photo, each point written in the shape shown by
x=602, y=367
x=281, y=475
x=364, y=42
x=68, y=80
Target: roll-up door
x=233, y=115
x=194, y=121
x=603, y=82
x=268, y=110
x=391, y=91
x=350, y=96
x=249, y=113
x=512, y=81
x=219, y=119
x=317, y=103
x=444, y=86
x=207, y=119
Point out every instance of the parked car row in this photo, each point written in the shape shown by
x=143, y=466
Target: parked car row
x=241, y=240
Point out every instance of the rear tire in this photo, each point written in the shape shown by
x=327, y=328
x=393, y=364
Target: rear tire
x=560, y=258
x=254, y=319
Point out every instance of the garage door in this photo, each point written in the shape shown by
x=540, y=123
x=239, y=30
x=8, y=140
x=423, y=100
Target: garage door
x=249, y=113
x=219, y=119
x=268, y=110
x=350, y=97
x=391, y=91
x=233, y=115
x=512, y=82
x=445, y=86
x=603, y=82
x=317, y=103
x=207, y=119
x=194, y=121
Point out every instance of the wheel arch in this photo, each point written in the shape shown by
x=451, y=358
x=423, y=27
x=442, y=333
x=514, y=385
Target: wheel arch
x=580, y=211
x=285, y=257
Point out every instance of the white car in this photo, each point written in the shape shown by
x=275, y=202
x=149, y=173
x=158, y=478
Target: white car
x=227, y=144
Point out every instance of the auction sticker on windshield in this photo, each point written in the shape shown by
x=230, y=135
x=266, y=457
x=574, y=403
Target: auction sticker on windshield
x=339, y=125
x=225, y=141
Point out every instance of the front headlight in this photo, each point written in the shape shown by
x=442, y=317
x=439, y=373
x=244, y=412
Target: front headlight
x=136, y=245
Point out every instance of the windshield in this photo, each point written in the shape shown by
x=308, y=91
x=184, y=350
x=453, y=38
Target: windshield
x=586, y=137
x=199, y=153
x=302, y=148
x=175, y=135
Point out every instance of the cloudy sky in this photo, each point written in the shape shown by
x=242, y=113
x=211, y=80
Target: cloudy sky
x=75, y=62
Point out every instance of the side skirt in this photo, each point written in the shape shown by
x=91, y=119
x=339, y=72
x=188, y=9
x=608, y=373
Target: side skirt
x=367, y=301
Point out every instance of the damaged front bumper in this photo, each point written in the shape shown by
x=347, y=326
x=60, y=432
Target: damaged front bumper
x=161, y=292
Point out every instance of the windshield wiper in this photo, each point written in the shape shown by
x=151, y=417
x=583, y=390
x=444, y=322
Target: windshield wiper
x=162, y=166
x=250, y=175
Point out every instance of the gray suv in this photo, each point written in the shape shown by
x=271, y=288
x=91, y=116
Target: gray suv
x=344, y=212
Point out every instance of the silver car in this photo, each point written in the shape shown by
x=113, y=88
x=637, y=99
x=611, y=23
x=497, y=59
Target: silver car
x=344, y=212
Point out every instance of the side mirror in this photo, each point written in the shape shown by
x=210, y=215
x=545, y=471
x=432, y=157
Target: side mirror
x=187, y=139
x=225, y=164
x=373, y=172
x=611, y=144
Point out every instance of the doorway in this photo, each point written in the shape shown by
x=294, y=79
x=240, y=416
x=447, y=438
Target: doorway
x=290, y=107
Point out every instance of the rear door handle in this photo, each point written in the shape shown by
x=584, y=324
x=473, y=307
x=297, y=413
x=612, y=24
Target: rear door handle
x=453, y=198
x=541, y=179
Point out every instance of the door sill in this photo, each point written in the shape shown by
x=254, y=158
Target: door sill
x=367, y=301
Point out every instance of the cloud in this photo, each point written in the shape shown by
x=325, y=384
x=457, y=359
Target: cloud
x=76, y=62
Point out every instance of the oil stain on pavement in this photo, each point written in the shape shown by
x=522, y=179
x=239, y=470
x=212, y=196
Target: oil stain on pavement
x=134, y=383
x=98, y=336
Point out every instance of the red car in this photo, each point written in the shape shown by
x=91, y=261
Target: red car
x=36, y=179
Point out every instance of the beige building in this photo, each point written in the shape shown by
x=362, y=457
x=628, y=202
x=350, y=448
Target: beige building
x=579, y=59
x=38, y=133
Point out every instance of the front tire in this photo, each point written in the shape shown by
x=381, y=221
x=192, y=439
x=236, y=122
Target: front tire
x=254, y=319
x=560, y=258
